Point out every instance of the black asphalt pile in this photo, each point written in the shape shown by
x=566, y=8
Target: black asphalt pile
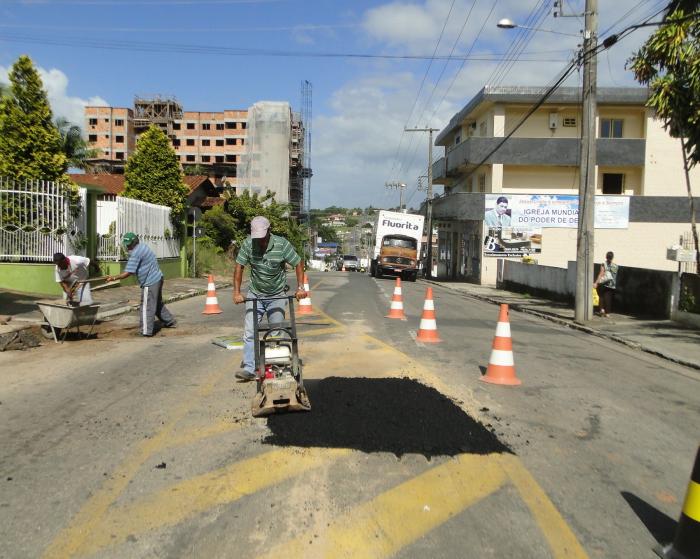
x=394, y=415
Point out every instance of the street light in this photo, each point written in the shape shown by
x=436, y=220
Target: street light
x=506, y=23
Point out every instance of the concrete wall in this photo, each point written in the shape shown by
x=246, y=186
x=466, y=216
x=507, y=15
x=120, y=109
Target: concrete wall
x=640, y=292
x=40, y=277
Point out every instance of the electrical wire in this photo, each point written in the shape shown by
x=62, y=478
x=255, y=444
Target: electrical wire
x=420, y=89
x=137, y=46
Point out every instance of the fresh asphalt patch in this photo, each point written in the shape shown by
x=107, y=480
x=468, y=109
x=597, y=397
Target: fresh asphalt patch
x=396, y=415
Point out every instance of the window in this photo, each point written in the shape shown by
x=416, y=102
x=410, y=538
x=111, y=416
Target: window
x=230, y=159
x=190, y=142
x=613, y=183
x=106, y=152
x=230, y=141
x=242, y=141
x=118, y=122
x=206, y=142
x=244, y=125
x=482, y=182
x=176, y=142
x=93, y=122
x=190, y=158
x=107, y=120
x=107, y=136
x=120, y=155
x=92, y=138
x=206, y=126
x=219, y=125
x=190, y=126
x=610, y=128
x=219, y=158
x=219, y=143
x=570, y=122
x=482, y=129
x=230, y=125
x=176, y=126
x=206, y=158
x=119, y=139
x=458, y=139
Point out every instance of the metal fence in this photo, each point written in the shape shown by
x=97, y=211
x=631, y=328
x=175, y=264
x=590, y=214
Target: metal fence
x=39, y=218
x=149, y=221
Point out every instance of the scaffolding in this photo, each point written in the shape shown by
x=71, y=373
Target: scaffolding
x=154, y=109
x=265, y=165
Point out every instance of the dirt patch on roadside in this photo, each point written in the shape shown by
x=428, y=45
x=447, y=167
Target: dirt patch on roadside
x=397, y=415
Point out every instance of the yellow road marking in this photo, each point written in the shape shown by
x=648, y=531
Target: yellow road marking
x=68, y=541
x=384, y=525
x=174, y=504
x=561, y=539
x=194, y=434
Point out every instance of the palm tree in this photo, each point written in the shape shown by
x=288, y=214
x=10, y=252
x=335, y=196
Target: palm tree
x=74, y=145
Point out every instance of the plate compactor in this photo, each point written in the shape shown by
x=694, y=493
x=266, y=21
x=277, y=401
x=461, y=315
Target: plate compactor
x=280, y=382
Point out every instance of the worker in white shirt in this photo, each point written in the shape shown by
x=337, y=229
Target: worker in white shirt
x=69, y=271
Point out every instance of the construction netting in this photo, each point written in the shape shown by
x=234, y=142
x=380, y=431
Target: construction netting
x=265, y=164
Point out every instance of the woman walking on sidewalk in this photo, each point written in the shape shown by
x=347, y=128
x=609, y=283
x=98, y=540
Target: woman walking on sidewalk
x=606, y=283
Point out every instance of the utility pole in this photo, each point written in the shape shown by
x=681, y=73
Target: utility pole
x=401, y=187
x=429, y=202
x=587, y=171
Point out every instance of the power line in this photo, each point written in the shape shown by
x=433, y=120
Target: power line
x=425, y=75
x=137, y=46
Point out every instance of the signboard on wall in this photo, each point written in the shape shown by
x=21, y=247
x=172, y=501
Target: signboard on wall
x=514, y=222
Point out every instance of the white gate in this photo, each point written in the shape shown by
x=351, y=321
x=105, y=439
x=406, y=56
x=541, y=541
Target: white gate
x=39, y=218
x=149, y=221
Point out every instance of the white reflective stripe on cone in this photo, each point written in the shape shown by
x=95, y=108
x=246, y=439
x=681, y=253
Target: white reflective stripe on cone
x=397, y=291
x=501, y=357
x=211, y=287
x=212, y=301
x=396, y=305
x=503, y=330
x=428, y=324
x=428, y=306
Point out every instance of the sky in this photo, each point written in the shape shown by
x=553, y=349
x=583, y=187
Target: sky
x=375, y=67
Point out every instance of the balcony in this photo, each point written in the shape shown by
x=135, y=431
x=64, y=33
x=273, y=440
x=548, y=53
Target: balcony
x=536, y=151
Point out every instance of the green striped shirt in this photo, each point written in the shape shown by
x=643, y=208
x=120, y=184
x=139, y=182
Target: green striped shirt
x=267, y=272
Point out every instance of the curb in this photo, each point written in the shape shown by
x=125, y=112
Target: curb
x=574, y=326
x=170, y=299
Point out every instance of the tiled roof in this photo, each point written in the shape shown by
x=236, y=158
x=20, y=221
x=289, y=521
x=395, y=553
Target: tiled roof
x=109, y=183
x=195, y=181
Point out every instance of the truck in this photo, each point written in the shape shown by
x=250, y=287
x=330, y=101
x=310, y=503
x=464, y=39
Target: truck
x=397, y=243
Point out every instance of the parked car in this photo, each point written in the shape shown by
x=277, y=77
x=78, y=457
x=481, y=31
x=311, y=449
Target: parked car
x=350, y=262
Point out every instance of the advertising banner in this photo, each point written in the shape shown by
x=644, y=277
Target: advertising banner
x=514, y=222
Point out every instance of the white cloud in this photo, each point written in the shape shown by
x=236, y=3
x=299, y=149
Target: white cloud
x=62, y=104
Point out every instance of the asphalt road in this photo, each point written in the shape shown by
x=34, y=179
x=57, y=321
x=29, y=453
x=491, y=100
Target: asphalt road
x=128, y=447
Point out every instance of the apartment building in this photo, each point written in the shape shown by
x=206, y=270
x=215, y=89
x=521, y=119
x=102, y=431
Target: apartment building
x=215, y=142
x=639, y=168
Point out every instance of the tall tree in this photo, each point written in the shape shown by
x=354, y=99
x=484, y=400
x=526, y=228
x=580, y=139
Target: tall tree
x=30, y=145
x=669, y=63
x=152, y=174
x=74, y=146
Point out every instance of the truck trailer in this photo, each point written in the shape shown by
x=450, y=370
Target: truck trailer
x=397, y=244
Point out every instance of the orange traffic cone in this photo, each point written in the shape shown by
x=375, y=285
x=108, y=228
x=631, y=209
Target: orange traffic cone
x=212, y=304
x=305, y=304
x=343, y=268
x=427, y=332
x=501, y=369
x=396, y=310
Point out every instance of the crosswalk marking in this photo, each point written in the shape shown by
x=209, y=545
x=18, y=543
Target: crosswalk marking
x=384, y=525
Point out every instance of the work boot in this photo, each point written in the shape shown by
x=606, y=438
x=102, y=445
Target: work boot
x=245, y=375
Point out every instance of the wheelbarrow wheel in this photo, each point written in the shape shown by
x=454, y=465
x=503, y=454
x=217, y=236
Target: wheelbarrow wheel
x=46, y=332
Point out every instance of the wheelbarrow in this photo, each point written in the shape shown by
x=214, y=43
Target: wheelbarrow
x=63, y=315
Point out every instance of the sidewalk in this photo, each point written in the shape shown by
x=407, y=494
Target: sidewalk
x=23, y=313
x=665, y=338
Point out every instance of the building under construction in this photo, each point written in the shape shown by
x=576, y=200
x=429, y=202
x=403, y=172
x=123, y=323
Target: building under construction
x=257, y=150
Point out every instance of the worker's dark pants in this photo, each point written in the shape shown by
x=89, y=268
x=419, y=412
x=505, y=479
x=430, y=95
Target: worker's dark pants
x=151, y=307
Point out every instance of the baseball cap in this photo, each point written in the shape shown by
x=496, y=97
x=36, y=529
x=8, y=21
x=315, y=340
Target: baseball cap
x=259, y=226
x=129, y=238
